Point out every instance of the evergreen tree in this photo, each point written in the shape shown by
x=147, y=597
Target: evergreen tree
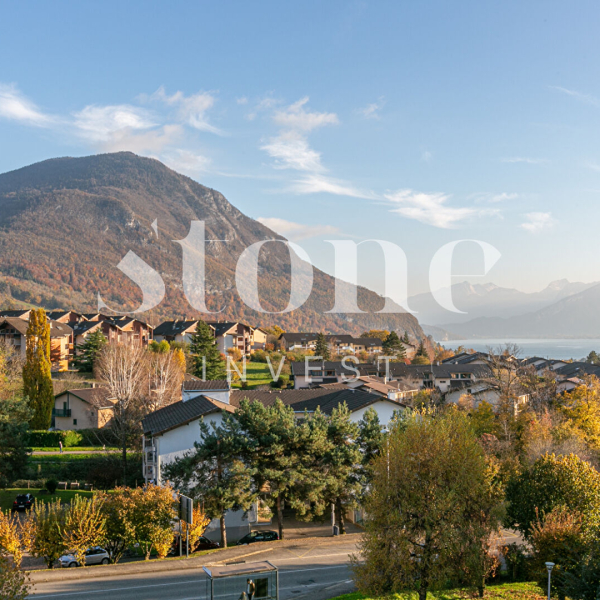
x=214, y=473
x=322, y=347
x=393, y=346
x=208, y=362
x=87, y=352
x=37, y=377
x=370, y=440
x=405, y=338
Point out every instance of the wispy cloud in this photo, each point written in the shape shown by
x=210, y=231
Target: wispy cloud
x=524, y=159
x=190, y=109
x=582, y=97
x=292, y=151
x=426, y=156
x=101, y=123
x=295, y=117
x=16, y=107
x=536, y=222
x=372, y=111
x=316, y=183
x=593, y=166
x=432, y=208
x=297, y=231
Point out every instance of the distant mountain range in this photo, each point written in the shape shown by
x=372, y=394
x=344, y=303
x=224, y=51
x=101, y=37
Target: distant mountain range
x=67, y=222
x=562, y=310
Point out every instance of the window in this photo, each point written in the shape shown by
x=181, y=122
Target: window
x=74, y=421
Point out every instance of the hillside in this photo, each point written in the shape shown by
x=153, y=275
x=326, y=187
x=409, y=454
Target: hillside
x=67, y=222
x=490, y=300
x=573, y=317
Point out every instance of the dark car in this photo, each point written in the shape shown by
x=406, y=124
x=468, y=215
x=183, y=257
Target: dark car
x=23, y=502
x=203, y=543
x=258, y=536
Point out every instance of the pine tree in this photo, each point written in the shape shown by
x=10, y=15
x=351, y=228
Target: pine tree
x=87, y=352
x=405, y=339
x=322, y=347
x=208, y=362
x=393, y=346
x=37, y=377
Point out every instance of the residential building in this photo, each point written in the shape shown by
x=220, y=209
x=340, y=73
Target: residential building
x=85, y=408
x=313, y=373
x=229, y=335
x=338, y=343
x=176, y=331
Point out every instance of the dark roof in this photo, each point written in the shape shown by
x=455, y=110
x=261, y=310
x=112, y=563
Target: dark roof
x=18, y=314
x=58, y=329
x=401, y=370
x=579, y=369
x=341, y=338
x=96, y=395
x=298, y=368
x=221, y=328
x=19, y=324
x=191, y=383
x=84, y=326
x=310, y=399
x=180, y=413
x=464, y=358
x=174, y=327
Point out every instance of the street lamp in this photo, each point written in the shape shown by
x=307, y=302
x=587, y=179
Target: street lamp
x=549, y=566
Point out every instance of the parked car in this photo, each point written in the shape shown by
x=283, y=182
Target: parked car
x=93, y=556
x=201, y=544
x=23, y=502
x=258, y=536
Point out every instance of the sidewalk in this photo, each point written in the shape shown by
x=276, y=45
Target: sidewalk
x=295, y=529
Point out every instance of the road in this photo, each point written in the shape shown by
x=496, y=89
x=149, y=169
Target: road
x=304, y=568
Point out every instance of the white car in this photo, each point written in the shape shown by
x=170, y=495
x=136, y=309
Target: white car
x=93, y=556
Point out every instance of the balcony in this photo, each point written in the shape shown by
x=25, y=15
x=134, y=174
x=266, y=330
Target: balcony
x=61, y=412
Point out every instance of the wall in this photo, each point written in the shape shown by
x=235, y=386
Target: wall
x=86, y=415
x=385, y=411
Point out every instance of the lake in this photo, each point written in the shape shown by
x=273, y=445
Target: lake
x=562, y=349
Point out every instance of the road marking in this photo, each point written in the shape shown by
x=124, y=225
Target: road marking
x=140, y=587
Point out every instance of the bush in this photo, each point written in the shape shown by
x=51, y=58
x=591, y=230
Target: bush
x=516, y=562
x=51, y=485
x=70, y=438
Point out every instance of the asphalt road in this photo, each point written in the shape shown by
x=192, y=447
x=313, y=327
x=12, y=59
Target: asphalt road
x=304, y=568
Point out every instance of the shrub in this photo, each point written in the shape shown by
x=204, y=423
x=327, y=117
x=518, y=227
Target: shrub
x=51, y=485
x=516, y=561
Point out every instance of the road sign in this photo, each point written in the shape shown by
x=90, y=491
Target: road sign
x=186, y=510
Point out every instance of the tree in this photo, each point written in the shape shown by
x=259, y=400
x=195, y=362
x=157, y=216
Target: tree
x=43, y=530
x=14, y=431
x=322, y=347
x=87, y=352
x=430, y=510
x=393, y=346
x=11, y=542
x=85, y=525
x=558, y=537
x=370, y=442
x=483, y=419
x=422, y=351
x=550, y=482
x=593, y=357
x=14, y=583
x=582, y=409
x=153, y=516
x=118, y=507
x=340, y=462
x=166, y=373
x=123, y=370
x=213, y=473
x=37, y=376
x=376, y=333
x=196, y=530
x=405, y=338
x=208, y=362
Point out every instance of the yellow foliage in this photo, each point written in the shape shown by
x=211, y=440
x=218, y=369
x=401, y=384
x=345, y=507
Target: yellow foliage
x=197, y=529
x=10, y=537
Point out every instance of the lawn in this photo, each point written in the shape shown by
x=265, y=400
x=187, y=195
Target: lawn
x=256, y=374
x=505, y=591
x=7, y=497
x=65, y=457
x=90, y=449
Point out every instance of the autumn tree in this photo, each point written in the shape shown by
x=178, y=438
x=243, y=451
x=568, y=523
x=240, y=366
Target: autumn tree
x=430, y=495
x=37, y=377
x=44, y=525
x=123, y=369
x=166, y=370
x=11, y=541
x=208, y=361
x=192, y=533
x=119, y=509
x=550, y=482
x=87, y=353
x=84, y=525
x=214, y=474
x=14, y=583
x=322, y=347
x=376, y=333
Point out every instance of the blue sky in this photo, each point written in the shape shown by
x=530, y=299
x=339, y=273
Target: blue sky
x=414, y=122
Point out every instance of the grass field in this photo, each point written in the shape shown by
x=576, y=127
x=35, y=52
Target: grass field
x=7, y=497
x=91, y=449
x=256, y=374
x=506, y=591
x=65, y=457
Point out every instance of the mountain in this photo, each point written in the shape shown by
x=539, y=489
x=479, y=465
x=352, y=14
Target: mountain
x=67, y=222
x=489, y=300
x=575, y=316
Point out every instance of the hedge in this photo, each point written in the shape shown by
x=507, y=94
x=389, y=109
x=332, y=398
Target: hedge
x=69, y=439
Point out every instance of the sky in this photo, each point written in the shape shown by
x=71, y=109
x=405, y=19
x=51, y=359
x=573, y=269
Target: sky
x=418, y=123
